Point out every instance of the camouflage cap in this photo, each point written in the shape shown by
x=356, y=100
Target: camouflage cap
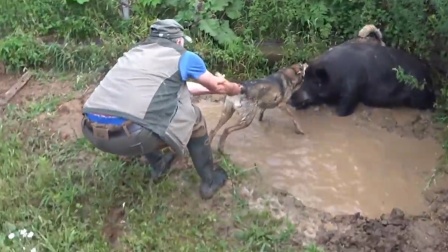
x=169, y=29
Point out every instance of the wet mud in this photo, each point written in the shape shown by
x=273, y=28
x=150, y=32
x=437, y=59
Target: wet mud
x=371, y=167
x=395, y=231
x=371, y=162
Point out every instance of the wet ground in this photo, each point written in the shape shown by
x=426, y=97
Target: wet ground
x=375, y=162
x=370, y=162
x=394, y=230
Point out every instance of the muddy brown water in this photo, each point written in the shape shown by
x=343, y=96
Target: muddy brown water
x=340, y=165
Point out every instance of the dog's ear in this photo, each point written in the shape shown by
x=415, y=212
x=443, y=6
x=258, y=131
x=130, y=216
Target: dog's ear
x=322, y=74
x=293, y=71
x=298, y=69
x=304, y=66
x=288, y=72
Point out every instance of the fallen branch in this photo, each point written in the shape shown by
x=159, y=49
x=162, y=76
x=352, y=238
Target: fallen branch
x=15, y=88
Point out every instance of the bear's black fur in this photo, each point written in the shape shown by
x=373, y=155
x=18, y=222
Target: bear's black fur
x=361, y=72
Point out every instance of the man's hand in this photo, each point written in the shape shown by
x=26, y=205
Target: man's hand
x=217, y=84
x=231, y=88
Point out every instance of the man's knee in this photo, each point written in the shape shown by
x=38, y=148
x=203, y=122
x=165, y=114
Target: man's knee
x=200, y=126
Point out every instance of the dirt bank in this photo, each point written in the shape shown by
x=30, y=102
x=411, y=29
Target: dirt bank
x=392, y=232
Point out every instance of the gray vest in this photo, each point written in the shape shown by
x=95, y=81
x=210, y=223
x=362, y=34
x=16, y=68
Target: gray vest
x=145, y=87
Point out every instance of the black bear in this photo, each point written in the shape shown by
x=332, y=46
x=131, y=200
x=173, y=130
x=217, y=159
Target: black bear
x=363, y=72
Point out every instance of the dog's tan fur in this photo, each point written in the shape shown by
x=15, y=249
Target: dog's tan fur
x=370, y=34
x=260, y=95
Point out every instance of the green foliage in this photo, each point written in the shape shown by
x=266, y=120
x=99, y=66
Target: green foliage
x=408, y=79
x=259, y=239
x=21, y=50
x=82, y=1
x=211, y=17
x=85, y=35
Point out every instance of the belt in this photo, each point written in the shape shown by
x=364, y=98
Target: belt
x=105, y=131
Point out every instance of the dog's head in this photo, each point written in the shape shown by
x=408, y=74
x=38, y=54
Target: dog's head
x=295, y=73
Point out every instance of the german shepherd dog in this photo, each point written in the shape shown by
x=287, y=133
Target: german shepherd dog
x=258, y=95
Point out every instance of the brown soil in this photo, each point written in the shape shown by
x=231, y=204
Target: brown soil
x=410, y=123
x=392, y=232
x=33, y=90
x=115, y=226
x=68, y=121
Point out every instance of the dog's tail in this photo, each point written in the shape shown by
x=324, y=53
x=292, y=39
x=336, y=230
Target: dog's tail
x=370, y=30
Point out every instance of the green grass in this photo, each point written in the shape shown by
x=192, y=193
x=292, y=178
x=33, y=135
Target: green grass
x=76, y=198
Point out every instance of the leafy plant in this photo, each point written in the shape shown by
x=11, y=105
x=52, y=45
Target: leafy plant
x=408, y=79
x=20, y=50
x=211, y=17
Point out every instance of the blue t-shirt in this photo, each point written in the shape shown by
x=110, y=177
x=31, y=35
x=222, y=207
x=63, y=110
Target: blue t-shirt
x=190, y=66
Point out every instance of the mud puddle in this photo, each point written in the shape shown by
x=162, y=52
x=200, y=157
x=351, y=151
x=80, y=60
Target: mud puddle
x=370, y=163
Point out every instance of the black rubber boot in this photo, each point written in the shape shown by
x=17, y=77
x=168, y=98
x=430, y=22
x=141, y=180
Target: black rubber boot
x=212, y=176
x=160, y=164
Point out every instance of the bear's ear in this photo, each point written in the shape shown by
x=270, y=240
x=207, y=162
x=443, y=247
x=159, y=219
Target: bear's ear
x=322, y=75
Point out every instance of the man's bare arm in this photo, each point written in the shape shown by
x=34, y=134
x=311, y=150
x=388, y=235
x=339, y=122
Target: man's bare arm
x=197, y=89
x=217, y=85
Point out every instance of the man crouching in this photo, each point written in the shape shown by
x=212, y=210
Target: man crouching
x=143, y=105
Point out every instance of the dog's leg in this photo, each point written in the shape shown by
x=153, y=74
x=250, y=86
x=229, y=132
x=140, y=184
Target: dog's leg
x=226, y=114
x=245, y=120
x=260, y=117
x=285, y=108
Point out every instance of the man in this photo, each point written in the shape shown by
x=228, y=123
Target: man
x=143, y=105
